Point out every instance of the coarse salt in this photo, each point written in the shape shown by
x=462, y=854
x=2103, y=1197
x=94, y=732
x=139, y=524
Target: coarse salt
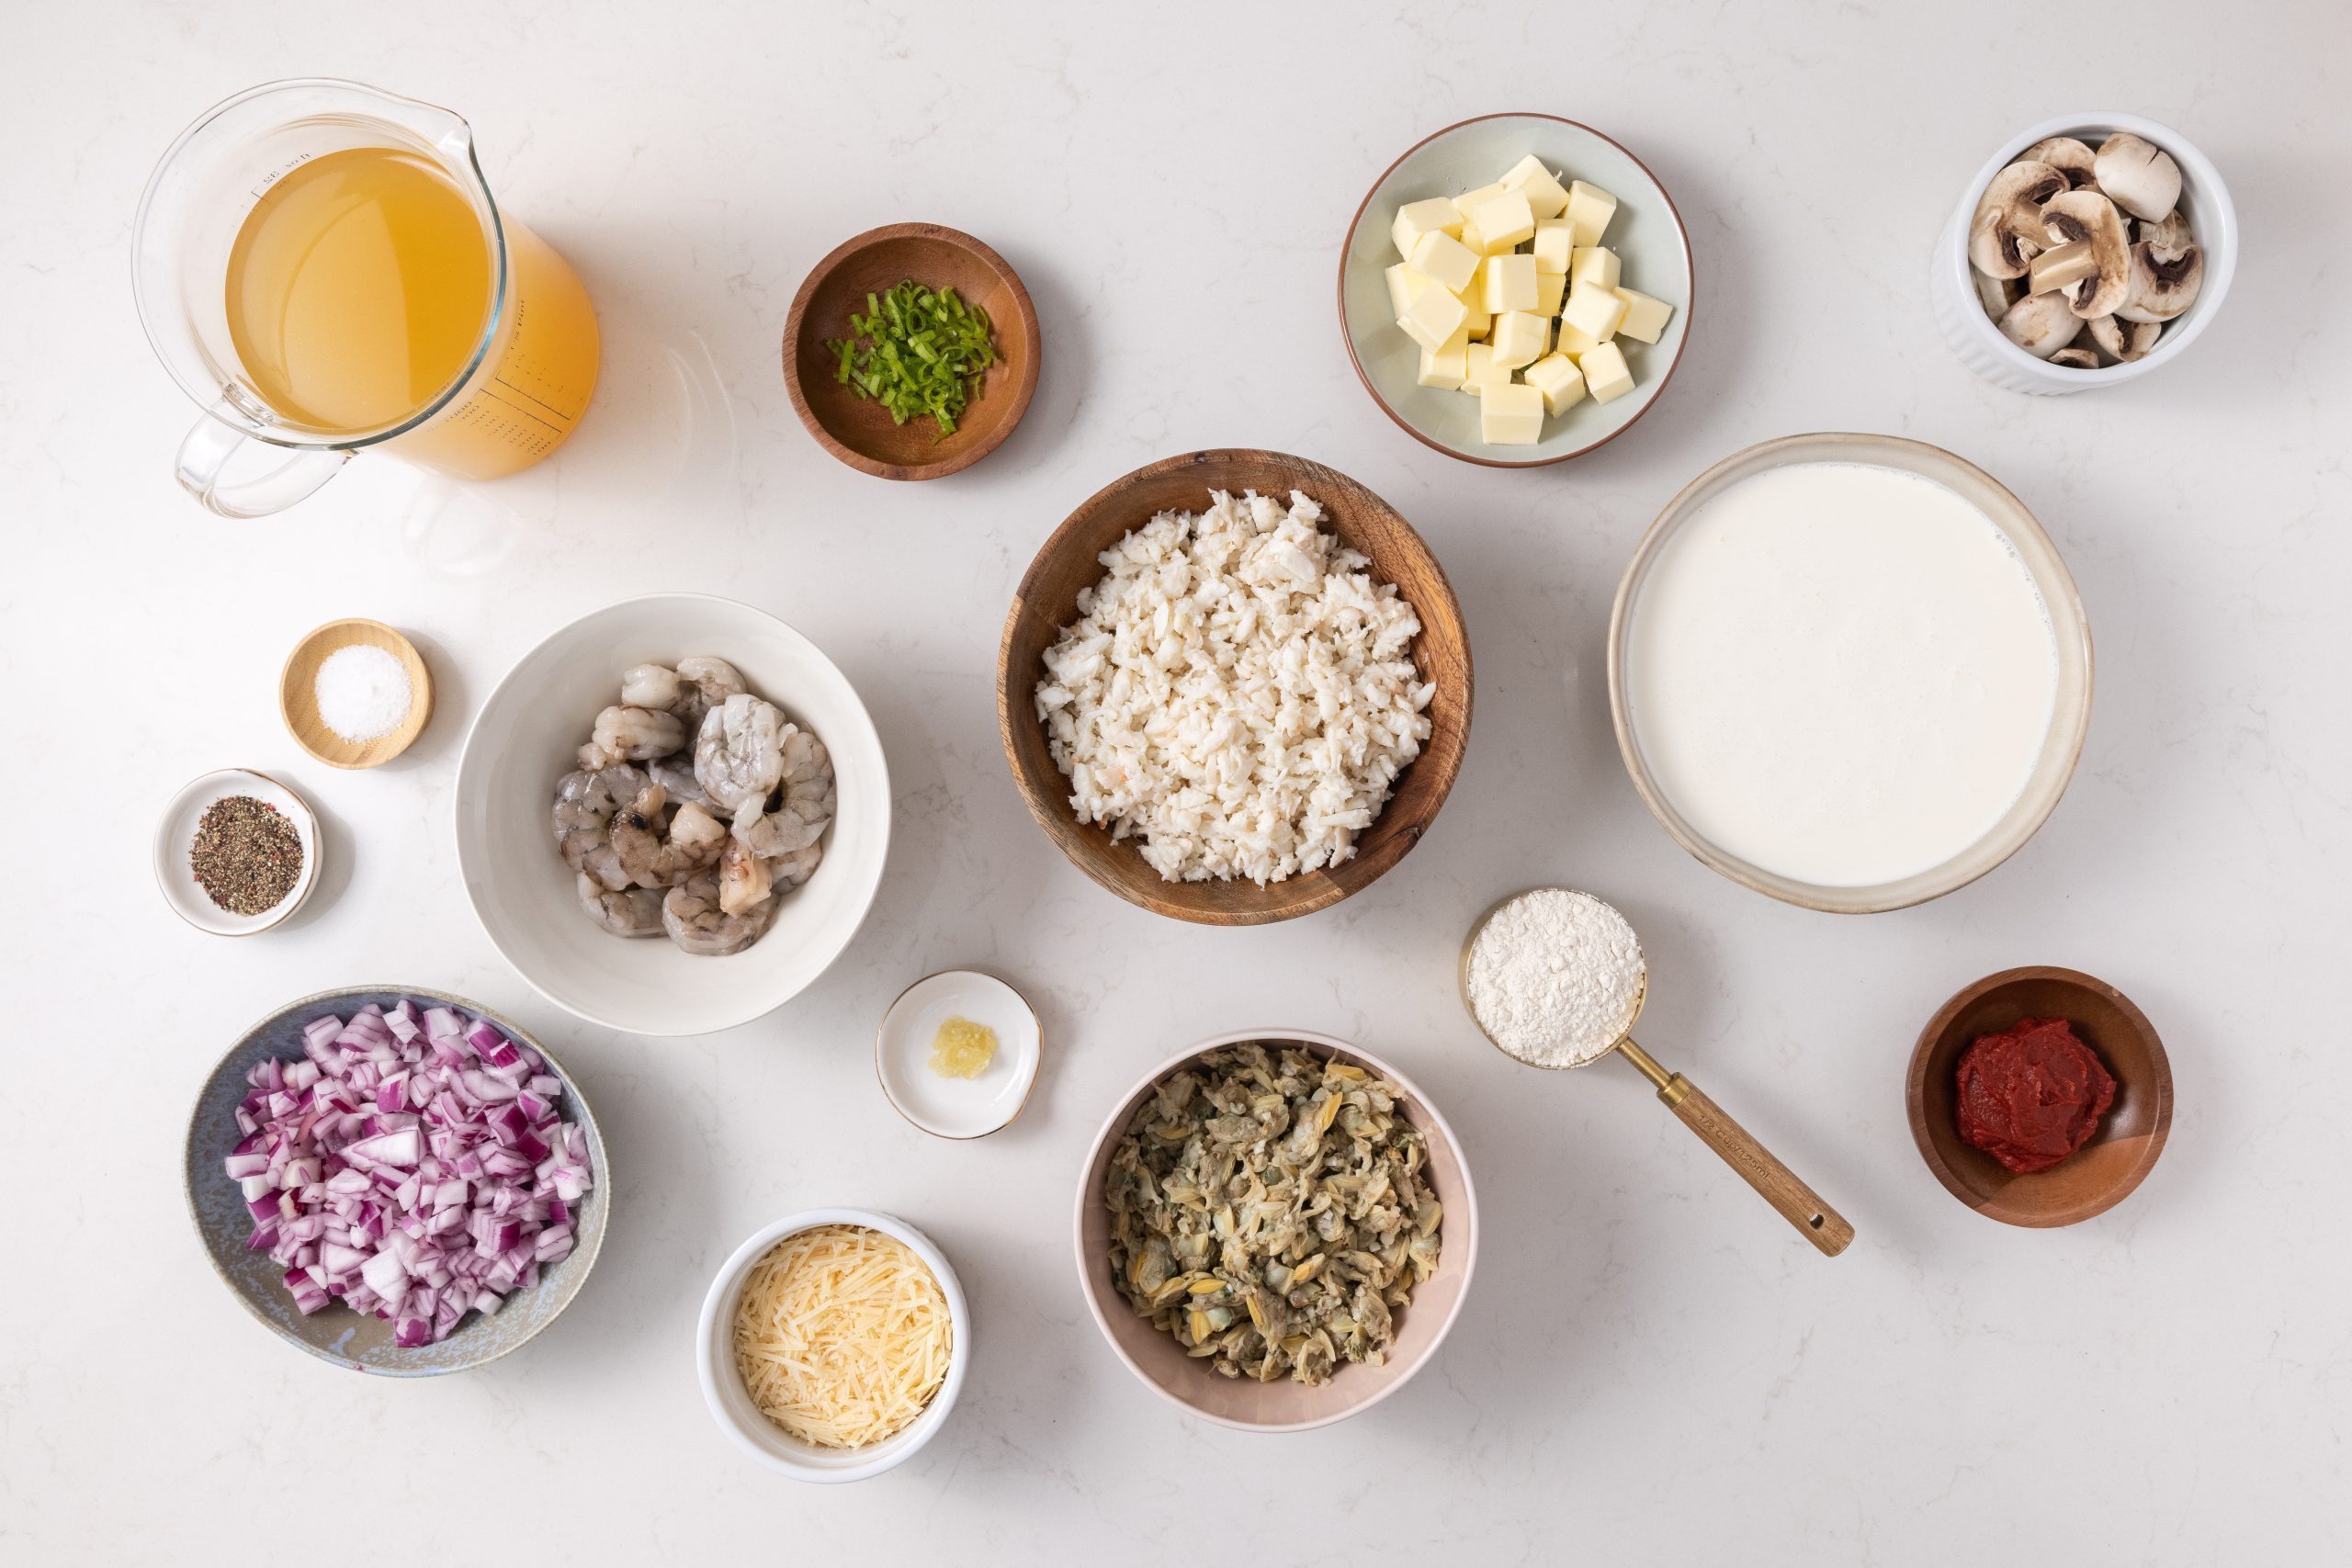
x=363, y=691
x=1554, y=977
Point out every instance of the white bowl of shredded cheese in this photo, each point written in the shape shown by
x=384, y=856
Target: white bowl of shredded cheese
x=860, y=1293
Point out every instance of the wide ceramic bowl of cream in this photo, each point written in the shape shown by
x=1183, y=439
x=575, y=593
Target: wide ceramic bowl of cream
x=1848, y=671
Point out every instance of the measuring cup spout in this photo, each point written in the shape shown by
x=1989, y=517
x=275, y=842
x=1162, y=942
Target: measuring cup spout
x=235, y=475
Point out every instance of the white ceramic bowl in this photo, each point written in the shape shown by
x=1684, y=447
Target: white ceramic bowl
x=176, y=831
x=732, y=1407
x=1952, y=290
x=522, y=740
x=1285, y=1406
x=958, y=1108
x=2070, y=715
x=1646, y=233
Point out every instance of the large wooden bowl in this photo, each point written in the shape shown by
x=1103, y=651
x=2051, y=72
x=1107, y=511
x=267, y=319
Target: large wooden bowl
x=2101, y=1174
x=1047, y=601
x=858, y=430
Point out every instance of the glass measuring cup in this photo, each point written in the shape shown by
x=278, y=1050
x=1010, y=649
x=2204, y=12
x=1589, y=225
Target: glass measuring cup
x=520, y=391
x=1776, y=1183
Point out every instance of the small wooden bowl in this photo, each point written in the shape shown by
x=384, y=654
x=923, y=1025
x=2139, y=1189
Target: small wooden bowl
x=2101, y=1174
x=297, y=699
x=858, y=430
x=1047, y=601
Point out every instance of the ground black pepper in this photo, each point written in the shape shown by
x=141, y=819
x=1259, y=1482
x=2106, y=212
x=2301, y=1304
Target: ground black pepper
x=246, y=856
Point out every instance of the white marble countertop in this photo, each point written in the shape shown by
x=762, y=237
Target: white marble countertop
x=1650, y=1369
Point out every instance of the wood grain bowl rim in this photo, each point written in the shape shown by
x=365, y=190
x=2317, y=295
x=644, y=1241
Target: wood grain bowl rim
x=1024, y=386
x=1655, y=389
x=1084, y=844
x=2160, y=1085
x=361, y=755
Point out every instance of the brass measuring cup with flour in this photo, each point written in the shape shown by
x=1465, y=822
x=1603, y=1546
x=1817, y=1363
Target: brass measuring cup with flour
x=1555, y=979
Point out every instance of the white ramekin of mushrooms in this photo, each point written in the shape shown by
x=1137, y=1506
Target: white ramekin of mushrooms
x=2090, y=250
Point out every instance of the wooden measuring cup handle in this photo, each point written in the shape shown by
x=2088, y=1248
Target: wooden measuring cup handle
x=1799, y=1204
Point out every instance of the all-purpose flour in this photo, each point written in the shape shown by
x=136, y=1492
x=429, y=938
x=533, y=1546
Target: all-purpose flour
x=1554, y=977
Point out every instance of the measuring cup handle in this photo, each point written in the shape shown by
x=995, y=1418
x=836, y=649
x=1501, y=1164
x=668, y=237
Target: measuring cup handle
x=1799, y=1204
x=284, y=475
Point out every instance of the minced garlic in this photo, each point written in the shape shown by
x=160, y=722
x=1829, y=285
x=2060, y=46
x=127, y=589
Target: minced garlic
x=962, y=1049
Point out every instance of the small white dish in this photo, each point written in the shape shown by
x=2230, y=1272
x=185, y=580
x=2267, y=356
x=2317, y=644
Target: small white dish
x=176, y=832
x=1972, y=335
x=731, y=1406
x=522, y=740
x=957, y=1108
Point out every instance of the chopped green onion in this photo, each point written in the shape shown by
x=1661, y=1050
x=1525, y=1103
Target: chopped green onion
x=923, y=354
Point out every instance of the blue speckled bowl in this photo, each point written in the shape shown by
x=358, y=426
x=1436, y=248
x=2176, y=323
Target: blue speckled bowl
x=335, y=1333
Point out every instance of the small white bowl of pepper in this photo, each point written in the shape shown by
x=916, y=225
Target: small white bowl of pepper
x=236, y=852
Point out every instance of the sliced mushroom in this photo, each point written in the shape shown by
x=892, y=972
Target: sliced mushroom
x=2085, y=216
x=2068, y=156
x=2075, y=358
x=2138, y=176
x=2062, y=268
x=2169, y=237
x=2122, y=341
x=2006, y=232
x=2041, y=324
x=2161, y=290
x=1996, y=293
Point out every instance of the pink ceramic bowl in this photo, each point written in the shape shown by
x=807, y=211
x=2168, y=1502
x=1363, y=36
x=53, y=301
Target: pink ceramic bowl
x=1161, y=1363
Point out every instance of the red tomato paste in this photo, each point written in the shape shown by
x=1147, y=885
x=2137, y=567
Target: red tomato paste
x=2032, y=1094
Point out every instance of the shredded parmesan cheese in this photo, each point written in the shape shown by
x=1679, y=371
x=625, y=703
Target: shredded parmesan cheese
x=841, y=1336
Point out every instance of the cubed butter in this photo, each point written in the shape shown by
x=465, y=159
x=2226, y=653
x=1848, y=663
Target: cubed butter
x=1443, y=366
x=1479, y=372
x=1519, y=338
x=1556, y=376
x=1433, y=317
x=1593, y=264
x=1605, y=375
x=1592, y=310
x=1470, y=198
x=1551, y=290
x=1442, y=256
x=1511, y=416
x=1405, y=286
x=1504, y=219
x=1435, y=214
x=1481, y=318
x=1574, y=343
x=1645, y=317
x=1544, y=194
x=1554, y=245
x=1589, y=209
x=1508, y=283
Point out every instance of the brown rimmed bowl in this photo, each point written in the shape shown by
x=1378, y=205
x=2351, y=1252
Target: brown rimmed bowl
x=1646, y=233
x=1047, y=601
x=1190, y=1385
x=857, y=430
x=2101, y=1174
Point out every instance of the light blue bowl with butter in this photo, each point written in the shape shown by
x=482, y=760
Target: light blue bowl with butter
x=1645, y=232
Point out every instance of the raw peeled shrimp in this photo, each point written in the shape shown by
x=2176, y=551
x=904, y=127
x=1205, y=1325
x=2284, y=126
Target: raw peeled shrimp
x=655, y=855
x=582, y=815
x=651, y=686
x=743, y=878
x=631, y=911
x=739, y=756
x=636, y=735
x=703, y=683
x=692, y=915
x=793, y=817
x=675, y=775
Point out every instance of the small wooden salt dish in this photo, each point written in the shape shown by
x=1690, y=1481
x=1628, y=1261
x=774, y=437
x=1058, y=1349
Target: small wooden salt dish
x=297, y=694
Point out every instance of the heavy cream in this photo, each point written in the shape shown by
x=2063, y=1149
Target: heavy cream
x=1840, y=673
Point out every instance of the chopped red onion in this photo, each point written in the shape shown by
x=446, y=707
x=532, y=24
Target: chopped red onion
x=411, y=1163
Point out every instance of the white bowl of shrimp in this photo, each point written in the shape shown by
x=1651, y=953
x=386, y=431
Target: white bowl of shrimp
x=648, y=771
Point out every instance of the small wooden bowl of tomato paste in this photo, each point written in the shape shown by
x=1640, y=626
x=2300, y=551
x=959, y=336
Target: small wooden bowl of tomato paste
x=2030, y=1096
